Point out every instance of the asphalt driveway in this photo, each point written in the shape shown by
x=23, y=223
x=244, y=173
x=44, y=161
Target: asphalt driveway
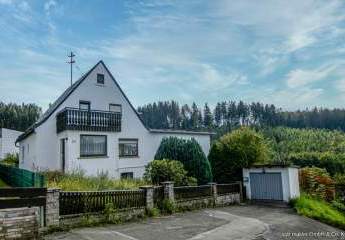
x=235, y=222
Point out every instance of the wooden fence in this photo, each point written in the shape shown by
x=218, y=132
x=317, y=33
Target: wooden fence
x=223, y=189
x=90, y=202
x=192, y=192
x=22, y=197
x=17, y=177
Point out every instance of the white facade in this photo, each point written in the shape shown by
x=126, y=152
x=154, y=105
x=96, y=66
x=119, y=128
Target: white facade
x=289, y=180
x=41, y=147
x=7, y=142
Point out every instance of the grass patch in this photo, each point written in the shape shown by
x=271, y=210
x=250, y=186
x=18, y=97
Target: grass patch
x=319, y=210
x=77, y=181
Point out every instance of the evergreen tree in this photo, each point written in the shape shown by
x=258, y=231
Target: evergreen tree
x=208, y=117
x=190, y=153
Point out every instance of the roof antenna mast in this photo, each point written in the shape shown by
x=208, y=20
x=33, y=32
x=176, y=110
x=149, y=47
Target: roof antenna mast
x=71, y=61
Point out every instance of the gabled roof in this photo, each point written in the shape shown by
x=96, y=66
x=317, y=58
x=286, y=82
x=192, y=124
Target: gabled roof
x=70, y=90
x=65, y=95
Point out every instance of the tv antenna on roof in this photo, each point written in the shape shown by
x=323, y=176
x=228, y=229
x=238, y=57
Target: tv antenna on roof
x=71, y=61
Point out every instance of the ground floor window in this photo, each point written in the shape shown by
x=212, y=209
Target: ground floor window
x=93, y=145
x=126, y=175
x=128, y=147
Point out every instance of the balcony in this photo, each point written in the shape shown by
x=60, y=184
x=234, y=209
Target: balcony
x=84, y=120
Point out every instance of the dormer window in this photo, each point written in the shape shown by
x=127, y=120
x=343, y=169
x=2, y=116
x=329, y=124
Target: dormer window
x=100, y=78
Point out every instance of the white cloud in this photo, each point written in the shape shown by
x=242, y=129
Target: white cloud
x=340, y=85
x=301, y=77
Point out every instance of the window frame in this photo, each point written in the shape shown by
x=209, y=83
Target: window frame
x=117, y=105
x=93, y=155
x=127, y=173
x=102, y=82
x=137, y=147
x=86, y=103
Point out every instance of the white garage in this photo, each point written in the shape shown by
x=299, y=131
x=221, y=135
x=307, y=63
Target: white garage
x=271, y=182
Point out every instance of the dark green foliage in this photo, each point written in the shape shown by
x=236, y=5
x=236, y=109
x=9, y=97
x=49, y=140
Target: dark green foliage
x=159, y=171
x=188, y=152
x=170, y=115
x=18, y=117
x=332, y=162
x=236, y=150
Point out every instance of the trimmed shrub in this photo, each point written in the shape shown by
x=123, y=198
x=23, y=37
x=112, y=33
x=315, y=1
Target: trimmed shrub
x=236, y=150
x=317, y=183
x=190, y=154
x=159, y=171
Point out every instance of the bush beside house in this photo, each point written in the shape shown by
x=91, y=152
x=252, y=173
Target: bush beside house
x=190, y=154
x=159, y=171
x=236, y=150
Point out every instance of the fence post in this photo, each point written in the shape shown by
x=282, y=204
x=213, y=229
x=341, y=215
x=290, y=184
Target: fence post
x=52, y=207
x=148, y=196
x=214, y=192
x=241, y=191
x=169, y=190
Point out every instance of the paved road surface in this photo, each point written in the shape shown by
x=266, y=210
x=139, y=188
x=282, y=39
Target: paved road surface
x=236, y=222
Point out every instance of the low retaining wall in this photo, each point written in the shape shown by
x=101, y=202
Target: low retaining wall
x=94, y=218
x=223, y=200
x=19, y=223
x=228, y=199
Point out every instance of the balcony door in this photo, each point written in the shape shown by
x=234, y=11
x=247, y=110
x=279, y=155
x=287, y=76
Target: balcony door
x=84, y=105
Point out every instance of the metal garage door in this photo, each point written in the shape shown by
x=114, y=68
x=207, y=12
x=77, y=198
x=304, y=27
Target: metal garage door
x=266, y=186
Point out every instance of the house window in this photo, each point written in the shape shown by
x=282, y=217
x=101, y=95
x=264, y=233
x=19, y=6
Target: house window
x=84, y=105
x=100, y=78
x=126, y=175
x=93, y=145
x=128, y=147
x=115, y=108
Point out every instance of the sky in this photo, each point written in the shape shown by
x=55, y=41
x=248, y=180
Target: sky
x=289, y=53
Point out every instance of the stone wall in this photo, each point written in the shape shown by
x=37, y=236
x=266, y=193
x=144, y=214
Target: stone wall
x=96, y=218
x=19, y=223
x=228, y=199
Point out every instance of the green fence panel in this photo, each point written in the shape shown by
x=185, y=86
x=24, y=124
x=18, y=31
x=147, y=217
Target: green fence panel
x=16, y=177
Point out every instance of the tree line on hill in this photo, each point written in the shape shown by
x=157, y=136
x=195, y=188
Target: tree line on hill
x=225, y=115
x=18, y=116
x=222, y=118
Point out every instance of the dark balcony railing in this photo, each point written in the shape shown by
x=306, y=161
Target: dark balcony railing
x=84, y=120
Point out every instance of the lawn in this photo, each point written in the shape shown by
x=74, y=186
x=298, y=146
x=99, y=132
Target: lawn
x=319, y=210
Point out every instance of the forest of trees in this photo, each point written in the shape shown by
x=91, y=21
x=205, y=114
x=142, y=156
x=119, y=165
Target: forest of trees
x=18, y=116
x=227, y=115
x=222, y=118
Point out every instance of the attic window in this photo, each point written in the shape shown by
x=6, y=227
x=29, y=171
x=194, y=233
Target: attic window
x=100, y=78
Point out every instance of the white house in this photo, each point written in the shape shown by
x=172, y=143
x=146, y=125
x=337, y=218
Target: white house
x=7, y=142
x=93, y=126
